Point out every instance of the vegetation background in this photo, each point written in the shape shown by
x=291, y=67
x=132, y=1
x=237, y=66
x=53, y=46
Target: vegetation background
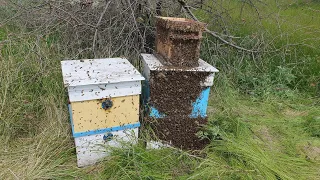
x=264, y=109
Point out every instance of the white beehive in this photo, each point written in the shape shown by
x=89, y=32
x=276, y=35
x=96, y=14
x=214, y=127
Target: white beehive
x=104, y=105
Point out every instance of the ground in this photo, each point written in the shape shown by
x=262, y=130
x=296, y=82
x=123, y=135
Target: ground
x=262, y=133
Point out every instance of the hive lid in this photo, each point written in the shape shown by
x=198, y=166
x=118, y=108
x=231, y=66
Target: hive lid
x=98, y=71
x=180, y=24
x=154, y=64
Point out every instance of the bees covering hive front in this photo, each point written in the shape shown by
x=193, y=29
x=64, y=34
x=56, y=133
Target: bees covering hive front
x=177, y=85
x=176, y=100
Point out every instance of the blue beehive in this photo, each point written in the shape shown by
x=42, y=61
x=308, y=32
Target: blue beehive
x=177, y=95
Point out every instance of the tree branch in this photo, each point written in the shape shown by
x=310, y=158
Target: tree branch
x=4, y=41
x=214, y=34
x=98, y=24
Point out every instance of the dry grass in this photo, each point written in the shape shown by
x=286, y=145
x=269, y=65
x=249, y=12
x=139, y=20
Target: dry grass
x=261, y=138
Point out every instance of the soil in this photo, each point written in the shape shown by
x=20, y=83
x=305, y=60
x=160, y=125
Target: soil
x=173, y=92
x=180, y=131
x=312, y=152
x=3, y=3
x=268, y=138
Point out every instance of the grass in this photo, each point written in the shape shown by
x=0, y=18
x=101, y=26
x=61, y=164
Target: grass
x=260, y=139
x=259, y=131
x=291, y=27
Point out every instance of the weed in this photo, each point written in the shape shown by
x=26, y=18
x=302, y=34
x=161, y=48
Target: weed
x=262, y=123
x=312, y=124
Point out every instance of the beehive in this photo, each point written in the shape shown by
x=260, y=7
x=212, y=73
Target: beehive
x=177, y=99
x=178, y=40
x=104, y=105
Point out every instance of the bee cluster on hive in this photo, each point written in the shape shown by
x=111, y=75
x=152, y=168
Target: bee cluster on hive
x=178, y=41
x=177, y=86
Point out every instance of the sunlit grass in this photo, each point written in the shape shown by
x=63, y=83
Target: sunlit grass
x=290, y=30
x=274, y=137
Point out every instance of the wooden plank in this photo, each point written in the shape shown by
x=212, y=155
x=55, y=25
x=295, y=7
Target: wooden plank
x=151, y=63
x=100, y=91
x=154, y=64
x=89, y=115
x=93, y=148
x=98, y=71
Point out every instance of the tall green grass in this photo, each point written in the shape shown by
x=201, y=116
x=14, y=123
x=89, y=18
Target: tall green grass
x=254, y=139
x=288, y=32
x=261, y=126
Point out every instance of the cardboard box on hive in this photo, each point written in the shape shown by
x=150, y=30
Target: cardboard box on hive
x=176, y=90
x=104, y=105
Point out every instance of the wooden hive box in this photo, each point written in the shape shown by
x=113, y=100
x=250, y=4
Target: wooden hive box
x=155, y=72
x=176, y=100
x=104, y=105
x=178, y=40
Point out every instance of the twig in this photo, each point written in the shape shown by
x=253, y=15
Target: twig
x=98, y=24
x=214, y=34
x=136, y=25
x=227, y=42
x=16, y=177
x=4, y=41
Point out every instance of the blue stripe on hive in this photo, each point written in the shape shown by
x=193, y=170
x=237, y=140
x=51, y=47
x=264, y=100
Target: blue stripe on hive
x=155, y=113
x=99, y=131
x=70, y=114
x=199, y=106
x=112, y=129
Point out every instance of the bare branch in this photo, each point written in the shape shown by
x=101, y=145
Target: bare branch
x=136, y=25
x=97, y=26
x=214, y=34
x=4, y=41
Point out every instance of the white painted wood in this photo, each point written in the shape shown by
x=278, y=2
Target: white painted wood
x=208, y=81
x=157, y=145
x=146, y=68
x=92, y=149
x=153, y=63
x=100, y=91
x=98, y=71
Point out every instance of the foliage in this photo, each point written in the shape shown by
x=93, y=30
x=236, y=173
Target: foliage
x=263, y=120
x=312, y=124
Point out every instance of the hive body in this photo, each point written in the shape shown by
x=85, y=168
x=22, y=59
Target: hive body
x=176, y=100
x=178, y=41
x=104, y=105
x=89, y=115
